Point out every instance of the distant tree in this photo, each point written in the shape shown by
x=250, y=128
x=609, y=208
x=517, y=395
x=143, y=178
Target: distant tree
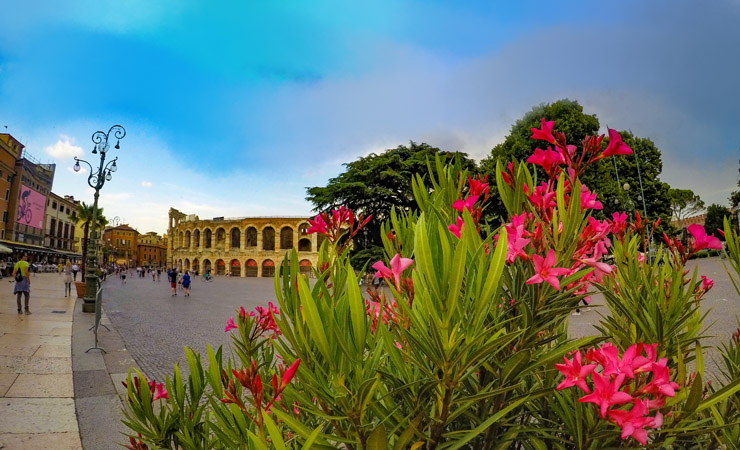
x=715, y=219
x=84, y=216
x=656, y=192
x=606, y=178
x=519, y=145
x=734, y=199
x=684, y=203
x=373, y=184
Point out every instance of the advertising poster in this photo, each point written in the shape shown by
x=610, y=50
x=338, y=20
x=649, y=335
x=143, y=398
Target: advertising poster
x=31, y=207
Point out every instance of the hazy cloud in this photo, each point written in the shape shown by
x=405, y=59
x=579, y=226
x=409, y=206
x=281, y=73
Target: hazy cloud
x=146, y=184
x=64, y=148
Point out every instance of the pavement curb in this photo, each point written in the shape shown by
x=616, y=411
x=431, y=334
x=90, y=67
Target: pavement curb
x=98, y=392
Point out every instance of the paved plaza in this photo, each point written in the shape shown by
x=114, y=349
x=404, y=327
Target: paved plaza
x=156, y=326
x=55, y=395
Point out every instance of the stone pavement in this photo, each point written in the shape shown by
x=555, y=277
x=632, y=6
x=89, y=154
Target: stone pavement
x=55, y=395
x=37, y=409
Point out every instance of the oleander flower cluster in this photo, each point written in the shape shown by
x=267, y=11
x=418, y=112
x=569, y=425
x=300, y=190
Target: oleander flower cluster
x=629, y=390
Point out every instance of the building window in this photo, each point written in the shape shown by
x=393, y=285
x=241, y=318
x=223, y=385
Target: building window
x=52, y=228
x=61, y=207
x=5, y=216
x=10, y=178
x=7, y=194
x=54, y=205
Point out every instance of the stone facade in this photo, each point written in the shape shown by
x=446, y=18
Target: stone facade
x=245, y=247
x=151, y=250
x=122, y=242
x=60, y=229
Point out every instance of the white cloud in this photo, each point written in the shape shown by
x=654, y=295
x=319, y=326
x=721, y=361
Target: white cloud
x=146, y=184
x=64, y=148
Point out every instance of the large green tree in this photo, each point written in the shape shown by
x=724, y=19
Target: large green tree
x=84, y=216
x=375, y=183
x=641, y=173
x=607, y=178
x=518, y=145
x=715, y=219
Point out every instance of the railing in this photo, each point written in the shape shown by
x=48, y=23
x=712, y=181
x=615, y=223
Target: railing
x=98, y=314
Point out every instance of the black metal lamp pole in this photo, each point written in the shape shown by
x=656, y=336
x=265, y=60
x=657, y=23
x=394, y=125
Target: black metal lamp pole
x=96, y=180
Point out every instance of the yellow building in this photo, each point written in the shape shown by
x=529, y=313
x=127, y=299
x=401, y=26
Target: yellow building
x=249, y=246
x=151, y=250
x=122, y=241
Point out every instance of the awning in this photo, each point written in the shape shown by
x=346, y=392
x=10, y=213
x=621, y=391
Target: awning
x=4, y=249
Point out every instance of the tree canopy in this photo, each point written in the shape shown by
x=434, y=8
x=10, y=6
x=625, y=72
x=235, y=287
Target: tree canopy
x=375, y=183
x=715, y=219
x=84, y=215
x=607, y=178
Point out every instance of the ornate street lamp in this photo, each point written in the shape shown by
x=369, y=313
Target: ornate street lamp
x=96, y=180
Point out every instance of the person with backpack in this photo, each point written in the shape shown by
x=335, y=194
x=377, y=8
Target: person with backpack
x=186, y=283
x=22, y=282
x=172, y=276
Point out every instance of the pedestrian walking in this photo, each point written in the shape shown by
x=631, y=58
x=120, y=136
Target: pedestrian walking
x=67, y=269
x=186, y=283
x=172, y=277
x=154, y=276
x=75, y=269
x=159, y=274
x=59, y=268
x=123, y=277
x=22, y=282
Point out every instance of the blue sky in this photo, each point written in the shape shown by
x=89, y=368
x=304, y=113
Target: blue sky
x=233, y=108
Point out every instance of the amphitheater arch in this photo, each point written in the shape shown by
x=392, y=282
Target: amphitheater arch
x=268, y=268
x=251, y=268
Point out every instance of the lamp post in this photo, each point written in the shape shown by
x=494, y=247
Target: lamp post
x=96, y=180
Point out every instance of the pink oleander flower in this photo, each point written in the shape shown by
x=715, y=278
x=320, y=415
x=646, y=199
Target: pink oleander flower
x=456, y=228
x=575, y=373
x=515, y=243
x=701, y=240
x=398, y=265
x=633, y=422
x=600, y=268
x=478, y=187
x=468, y=203
x=588, y=200
x=161, y=392
x=318, y=225
x=543, y=197
x=619, y=223
x=230, y=325
x=544, y=270
x=606, y=393
x=266, y=319
x=549, y=159
x=706, y=283
x=630, y=362
x=545, y=132
x=661, y=383
x=616, y=146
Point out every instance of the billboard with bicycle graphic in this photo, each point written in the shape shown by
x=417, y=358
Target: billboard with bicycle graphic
x=31, y=207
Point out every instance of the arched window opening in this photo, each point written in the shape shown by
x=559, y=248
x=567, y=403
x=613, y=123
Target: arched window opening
x=235, y=238
x=268, y=239
x=286, y=238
